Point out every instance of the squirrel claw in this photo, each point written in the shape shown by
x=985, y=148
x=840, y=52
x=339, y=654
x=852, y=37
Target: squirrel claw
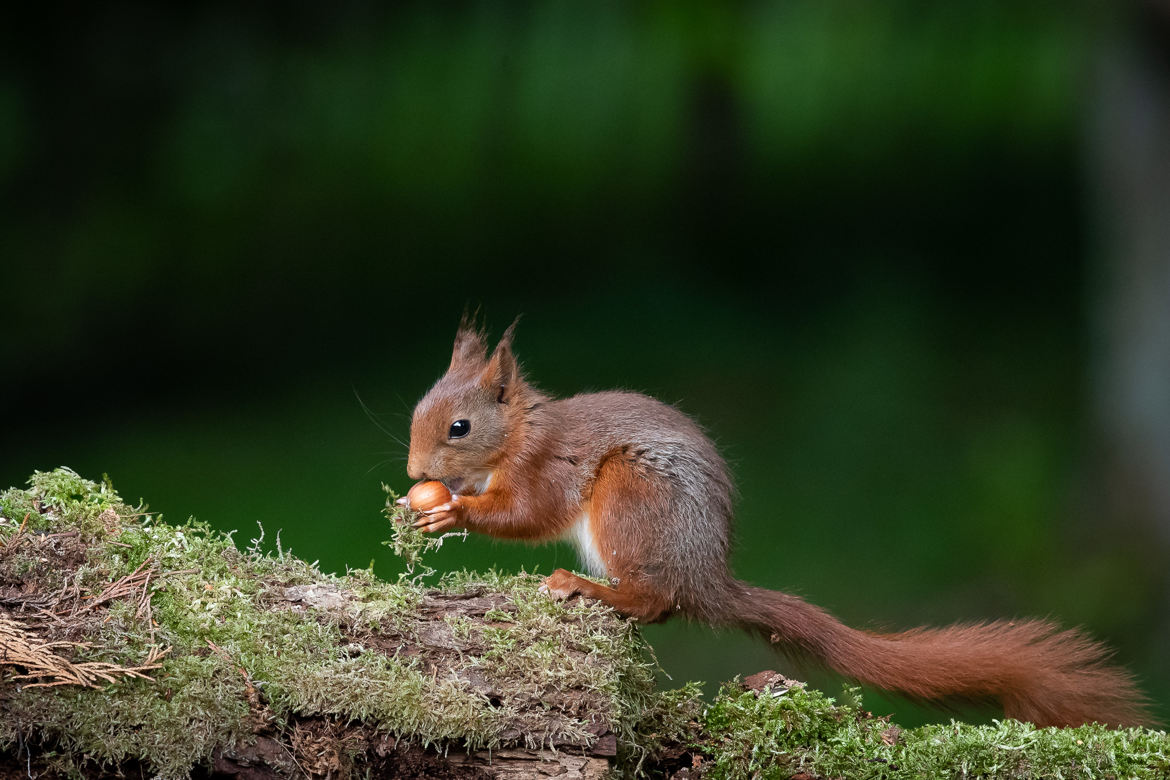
x=560, y=585
x=439, y=518
x=430, y=525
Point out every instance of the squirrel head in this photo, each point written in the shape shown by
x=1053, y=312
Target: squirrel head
x=459, y=429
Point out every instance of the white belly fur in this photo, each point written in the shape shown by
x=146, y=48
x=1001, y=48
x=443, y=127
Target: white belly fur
x=581, y=535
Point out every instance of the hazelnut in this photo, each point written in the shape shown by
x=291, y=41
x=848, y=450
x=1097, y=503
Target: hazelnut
x=425, y=496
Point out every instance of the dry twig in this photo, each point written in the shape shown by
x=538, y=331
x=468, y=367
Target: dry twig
x=19, y=648
x=125, y=586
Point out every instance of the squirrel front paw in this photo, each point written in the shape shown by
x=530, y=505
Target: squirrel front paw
x=442, y=518
x=561, y=585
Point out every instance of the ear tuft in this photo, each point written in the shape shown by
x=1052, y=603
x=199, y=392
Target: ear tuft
x=509, y=333
x=470, y=349
x=503, y=373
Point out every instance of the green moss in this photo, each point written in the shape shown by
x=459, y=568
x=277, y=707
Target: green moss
x=55, y=494
x=218, y=621
x=172, y=724
x=779, y=732
x=409, y=543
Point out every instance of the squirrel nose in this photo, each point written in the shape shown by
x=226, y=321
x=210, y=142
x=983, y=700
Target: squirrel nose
x=414, y=469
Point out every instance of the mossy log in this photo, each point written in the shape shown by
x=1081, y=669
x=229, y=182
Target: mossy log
x=132, y=647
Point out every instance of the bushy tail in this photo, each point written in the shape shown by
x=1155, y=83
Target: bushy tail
x=1034, y=669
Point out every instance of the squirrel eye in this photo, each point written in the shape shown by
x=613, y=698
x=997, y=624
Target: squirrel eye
x=459, y=429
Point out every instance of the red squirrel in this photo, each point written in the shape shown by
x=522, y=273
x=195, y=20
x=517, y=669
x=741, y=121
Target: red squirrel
x=644, y=496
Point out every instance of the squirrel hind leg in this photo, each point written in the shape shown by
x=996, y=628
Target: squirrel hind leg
x=628, y=597
x=645, y=537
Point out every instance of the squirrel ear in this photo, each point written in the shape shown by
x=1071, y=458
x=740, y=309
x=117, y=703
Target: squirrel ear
x=470, y=344
x=502, y=373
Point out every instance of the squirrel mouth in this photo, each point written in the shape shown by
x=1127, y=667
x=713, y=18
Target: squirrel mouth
x=469, y=486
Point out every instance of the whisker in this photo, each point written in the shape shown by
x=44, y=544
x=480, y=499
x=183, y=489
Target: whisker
x=377, y=465
x=384, y=461
x=374, y=419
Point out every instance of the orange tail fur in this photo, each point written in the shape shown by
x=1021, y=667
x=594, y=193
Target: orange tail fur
x=1037, y=671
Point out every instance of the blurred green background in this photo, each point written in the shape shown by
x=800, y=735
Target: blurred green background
x=859, y=242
